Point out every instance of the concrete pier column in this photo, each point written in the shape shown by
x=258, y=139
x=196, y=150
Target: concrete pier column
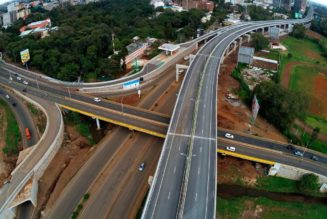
x=98, y=124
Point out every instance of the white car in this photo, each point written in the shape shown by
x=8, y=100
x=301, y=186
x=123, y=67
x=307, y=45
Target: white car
x=25, y=82
x=97, y=99
x=228, y=135
x=10, y=78
x=230, y=148
x=141, y=167
x=19, y=78
x=7, y=96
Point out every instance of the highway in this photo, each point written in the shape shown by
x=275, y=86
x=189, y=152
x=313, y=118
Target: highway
x=128, y=116
x=185, y=179
x=109, y=161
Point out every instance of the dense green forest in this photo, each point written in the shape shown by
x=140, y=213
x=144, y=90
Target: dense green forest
x=83, y=44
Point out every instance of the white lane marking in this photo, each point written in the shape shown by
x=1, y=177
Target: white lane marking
x=199, y=171
x=174, y=169
x=196, y=196
x=202, y=131
x=191, y=136
x=168, y=196
x=201, y=149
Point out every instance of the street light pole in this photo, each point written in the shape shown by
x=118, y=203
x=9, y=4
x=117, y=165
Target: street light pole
x=122, y=105
x=69, y=93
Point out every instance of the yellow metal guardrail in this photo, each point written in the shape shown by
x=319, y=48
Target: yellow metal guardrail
x=132, y=127
x=245, y=157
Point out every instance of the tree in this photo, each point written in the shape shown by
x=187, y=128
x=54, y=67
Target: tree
x=308, y=183
x=258, y=41
x=278, y=105
x=298, y=31
x=314, y=135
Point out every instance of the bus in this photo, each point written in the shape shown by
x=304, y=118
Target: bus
x=27, y=133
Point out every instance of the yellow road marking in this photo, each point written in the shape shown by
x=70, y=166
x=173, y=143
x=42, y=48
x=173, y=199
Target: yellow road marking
x=132, y=127
x=246, y=157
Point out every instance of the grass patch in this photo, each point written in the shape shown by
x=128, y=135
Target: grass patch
x=32, y=109
x=230, y=208
x=80, y=206
x=299, y=53
x=276, y=184
x=302, y=78
x=315, y=121
x=12, y=132
x=233, y=208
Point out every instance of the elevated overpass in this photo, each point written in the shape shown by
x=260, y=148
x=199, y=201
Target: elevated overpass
x=184, y=185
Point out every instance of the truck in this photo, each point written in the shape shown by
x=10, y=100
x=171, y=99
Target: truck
x=27, y=133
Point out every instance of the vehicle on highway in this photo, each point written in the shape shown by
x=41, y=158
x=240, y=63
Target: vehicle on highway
x=141, y=167
x=19, y=78
x=24, y=90
x=315, y=158
x=230, y=148
x=27, y=133
x=25, y=82
x=13, y=104
x=228, y=135
x=298, y=153
x=7, y=96
x=290, y=147
x=96, y=99
x=10, y=78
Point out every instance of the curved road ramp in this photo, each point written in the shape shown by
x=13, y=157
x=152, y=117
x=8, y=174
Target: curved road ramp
x=23, y=185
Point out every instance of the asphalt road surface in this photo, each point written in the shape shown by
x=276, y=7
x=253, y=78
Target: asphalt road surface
x=22, y=115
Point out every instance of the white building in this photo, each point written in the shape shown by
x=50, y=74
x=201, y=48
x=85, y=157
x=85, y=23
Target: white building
x=157, y=3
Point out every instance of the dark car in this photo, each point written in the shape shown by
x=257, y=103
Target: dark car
x=13, y=104
x=24, y=90
x=290, y=147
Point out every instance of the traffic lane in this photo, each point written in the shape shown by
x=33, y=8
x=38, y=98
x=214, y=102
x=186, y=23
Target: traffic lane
x=115, y=175
x=273, y=145
x=116, y=116
x=130, y=199
x=74, y=190
x=23, y=117
x=166, y=191
x=202, y=179
x=277, y=156
x=70, y=93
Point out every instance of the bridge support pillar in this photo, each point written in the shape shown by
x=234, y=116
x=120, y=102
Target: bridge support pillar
x=249, y=37
x=98, y=124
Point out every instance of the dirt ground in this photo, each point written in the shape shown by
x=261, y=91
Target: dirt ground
x=233, y=170
x=237, y=117
x=71, y=156
x=285, y=80
x=313, y=34
x=317, y=106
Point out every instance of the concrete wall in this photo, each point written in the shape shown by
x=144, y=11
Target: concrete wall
x=290, y=172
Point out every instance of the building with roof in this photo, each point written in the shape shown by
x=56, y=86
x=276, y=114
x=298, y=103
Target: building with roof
x=169, y=48
x=135, y=50
x=15, y=11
